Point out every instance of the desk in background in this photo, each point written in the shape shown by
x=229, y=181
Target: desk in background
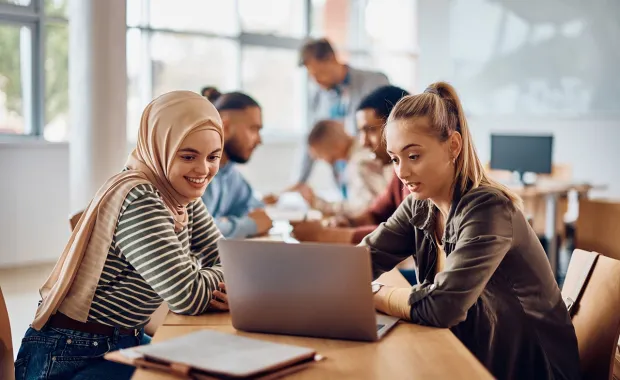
x=542, y=201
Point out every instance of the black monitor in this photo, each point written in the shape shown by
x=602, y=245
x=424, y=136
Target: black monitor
x=521, y=153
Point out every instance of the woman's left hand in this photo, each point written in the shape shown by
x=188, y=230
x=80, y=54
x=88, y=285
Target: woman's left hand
x=219, y=301
x=381, y=299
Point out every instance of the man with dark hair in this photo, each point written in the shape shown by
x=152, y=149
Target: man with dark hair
x=372, y=113
x=336, y=91
x=371, y=116
x=229, y=197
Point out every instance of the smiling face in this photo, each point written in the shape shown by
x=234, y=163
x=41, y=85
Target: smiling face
x=196, y=163
x=421, y=161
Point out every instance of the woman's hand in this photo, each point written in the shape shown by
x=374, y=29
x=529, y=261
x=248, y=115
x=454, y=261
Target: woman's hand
x=219, y=301
x=381, y=299
x=393, y=301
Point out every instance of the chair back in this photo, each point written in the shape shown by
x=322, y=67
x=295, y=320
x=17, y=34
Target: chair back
x=7, y=369
x=592, y=293
x=598, y=226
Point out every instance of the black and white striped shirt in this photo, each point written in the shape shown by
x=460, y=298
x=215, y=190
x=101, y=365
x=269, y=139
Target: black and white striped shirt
x=149, y=263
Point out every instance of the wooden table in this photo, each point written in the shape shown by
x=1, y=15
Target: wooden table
x=408, y=351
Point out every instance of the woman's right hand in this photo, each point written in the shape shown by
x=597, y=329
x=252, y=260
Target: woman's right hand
x=219, y=301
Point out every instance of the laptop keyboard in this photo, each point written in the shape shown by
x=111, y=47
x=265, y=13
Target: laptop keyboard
x=380, y=326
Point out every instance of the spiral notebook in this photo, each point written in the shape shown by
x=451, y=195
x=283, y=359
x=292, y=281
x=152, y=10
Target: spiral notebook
x=209, y=354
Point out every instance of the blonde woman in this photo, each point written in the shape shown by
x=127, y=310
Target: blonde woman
x=146, y=238
x=481, y=269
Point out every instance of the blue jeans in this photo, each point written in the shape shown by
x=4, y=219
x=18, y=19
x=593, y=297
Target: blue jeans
x=68, y=354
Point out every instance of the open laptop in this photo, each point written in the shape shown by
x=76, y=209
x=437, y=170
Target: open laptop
x=318, y=290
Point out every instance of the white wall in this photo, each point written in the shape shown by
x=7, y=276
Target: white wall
x=34, y=201
x=590, y=147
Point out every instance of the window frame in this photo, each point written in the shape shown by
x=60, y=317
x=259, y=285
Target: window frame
x=35, y=17
x=32, y=16
x=243, y=39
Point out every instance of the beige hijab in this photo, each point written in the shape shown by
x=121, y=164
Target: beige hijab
x=165, y=123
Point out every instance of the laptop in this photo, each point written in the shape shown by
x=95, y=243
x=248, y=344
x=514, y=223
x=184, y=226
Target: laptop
x=316, y=290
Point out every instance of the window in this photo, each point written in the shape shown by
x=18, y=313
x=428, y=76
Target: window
x=233, y=45
x=278, y=17
x=34, y=68
x=158, y=62
x=15, y=79
x=213, y=16
x=181, y=62
x=56, y=82
x=57, y=8
x=272, y=76
x=252, y=46
x=16, y=2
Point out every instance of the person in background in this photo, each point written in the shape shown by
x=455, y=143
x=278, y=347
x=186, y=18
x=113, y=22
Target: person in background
x=146, y=238
x=482, y=271
x=210, y=93
x=230, y=198
x=336, y=90
x=360, y=176
x=371, y=115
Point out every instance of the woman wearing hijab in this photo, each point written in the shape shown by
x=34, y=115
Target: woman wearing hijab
x=145, y=238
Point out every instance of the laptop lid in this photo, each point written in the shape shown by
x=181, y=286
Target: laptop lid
x=320, y=290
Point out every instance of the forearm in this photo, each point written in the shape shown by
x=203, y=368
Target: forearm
x=236, y=227
x=394, y=301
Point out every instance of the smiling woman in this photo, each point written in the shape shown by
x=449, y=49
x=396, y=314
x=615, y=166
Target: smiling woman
x=145, y=239
x=196, y=163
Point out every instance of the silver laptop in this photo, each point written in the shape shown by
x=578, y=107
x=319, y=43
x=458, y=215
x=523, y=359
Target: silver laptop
x=318, y=290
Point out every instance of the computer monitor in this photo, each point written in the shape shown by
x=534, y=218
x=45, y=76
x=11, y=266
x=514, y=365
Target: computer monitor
x=521, y=153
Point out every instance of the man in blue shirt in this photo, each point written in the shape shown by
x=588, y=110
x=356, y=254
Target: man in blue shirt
x=229, y=197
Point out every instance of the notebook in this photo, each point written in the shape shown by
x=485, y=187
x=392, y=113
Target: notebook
x=212, y=354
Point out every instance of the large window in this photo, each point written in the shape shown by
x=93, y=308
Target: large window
x=246, y=45
x=252, y=46
x=34, y=68
x=233, y=45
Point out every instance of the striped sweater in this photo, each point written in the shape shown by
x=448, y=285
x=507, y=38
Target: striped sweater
x=149, y=263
